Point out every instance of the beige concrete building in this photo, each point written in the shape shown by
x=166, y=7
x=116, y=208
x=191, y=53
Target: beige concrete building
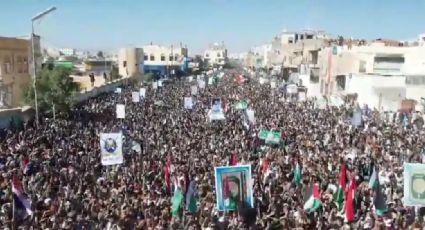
x=16, y=69
x=379, y=74
x=130, y=61
x=216, y=54
x=295, y=48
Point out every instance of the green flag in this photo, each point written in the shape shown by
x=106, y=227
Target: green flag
x=241, y=104
x=176, y=202
x=263, y=134
x=297, y=174
x=273, y=137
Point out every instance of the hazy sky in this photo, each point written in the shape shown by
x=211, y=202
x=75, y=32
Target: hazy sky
x=241, y=24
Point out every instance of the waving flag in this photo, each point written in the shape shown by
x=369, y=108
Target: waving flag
x=312, y=198
x=233, y=159
x=339, y=195
x=21, y=202
x=191, y=197
x=349, y=203
x=176, y=202
x=297, y=174
x=378, y=197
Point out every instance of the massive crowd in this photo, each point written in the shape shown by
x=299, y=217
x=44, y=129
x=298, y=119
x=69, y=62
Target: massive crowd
x=70, y=189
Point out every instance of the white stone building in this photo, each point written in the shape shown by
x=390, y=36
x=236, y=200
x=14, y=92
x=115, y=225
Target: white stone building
x=216, y=55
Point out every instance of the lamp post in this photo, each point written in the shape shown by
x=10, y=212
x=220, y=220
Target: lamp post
x=34, y=19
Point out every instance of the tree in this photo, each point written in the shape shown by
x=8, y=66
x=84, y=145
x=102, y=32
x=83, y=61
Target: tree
x=54, y=88
x=100, y=54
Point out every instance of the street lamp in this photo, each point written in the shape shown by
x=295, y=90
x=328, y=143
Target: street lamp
x=35, y=18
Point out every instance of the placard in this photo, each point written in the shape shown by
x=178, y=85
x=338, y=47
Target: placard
x=120, y=111
x=135, y=96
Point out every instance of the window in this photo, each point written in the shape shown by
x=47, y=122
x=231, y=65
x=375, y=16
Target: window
x=25, y=65
x=176, y=57
x=162, y=57
x=152, y=58
x=124, y=63
x=218, y=55
x=7, y=65
x=207, y=55
x=309, y=36
x=171, y=57
x=145, y=57
x=19, y=62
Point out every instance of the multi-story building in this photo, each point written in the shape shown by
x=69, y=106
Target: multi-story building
x=380, y=74
x=130, y=61
x=16, y=68
x=164, y=60
x=295, y=48
x=67, y=51
x=216, y=55
x=258, y=57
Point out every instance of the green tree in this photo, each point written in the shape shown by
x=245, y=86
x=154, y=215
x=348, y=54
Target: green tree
x=54, y=88
x=100, y=54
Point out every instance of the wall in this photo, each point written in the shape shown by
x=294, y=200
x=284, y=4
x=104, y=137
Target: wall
x=130, y=61
x=19, y=113
x=377, y=91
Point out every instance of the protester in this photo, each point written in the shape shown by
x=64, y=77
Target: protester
x=61, y=172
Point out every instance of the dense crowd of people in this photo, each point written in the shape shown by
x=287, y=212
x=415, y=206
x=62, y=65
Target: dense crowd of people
x=70, y=189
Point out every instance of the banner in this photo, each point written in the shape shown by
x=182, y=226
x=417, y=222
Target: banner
x=190, y=79
x=216, y=115
x=135, y=96
x=241, y=104
x=120, y=111
x=160, y=83
x=414, y=184
x=142, y=92
x=188, y=104
x=118, y=90
x=273, y=137
x=269, y=136
x=273, y=84
x=233, y=186
x=155, y=85
x=111, y=148
x=194, y=90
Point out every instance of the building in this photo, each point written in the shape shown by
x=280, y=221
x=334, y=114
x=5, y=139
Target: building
x=16, y=68
x=130, y=61
x=381, y=73
x=258, y=57
x=164, y=60
x=295, y=48
x=215, y=55
x=67, y=51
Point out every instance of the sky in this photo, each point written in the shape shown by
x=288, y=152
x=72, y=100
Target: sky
x=240, y=24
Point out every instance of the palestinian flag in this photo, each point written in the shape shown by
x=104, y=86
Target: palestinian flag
x=349, y=202
x=230, y=202
x=312, y=199
x=378, y=197
x=297, y=174
x=339, y=195
x=191, y=197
